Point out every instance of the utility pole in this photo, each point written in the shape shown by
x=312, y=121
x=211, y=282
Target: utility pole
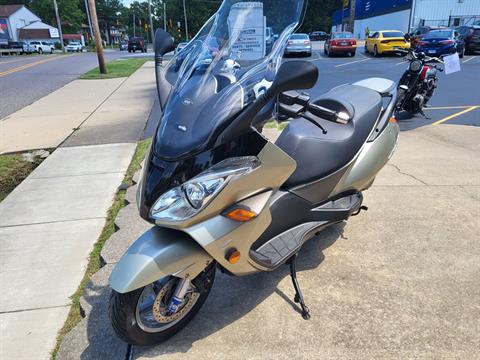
x=98, y=37
x=88, y=18
x=352, y=16
x=152, y=36
x=134, y=25
x=186, y=23
x=165, y=15
x=411, y=20
x=59, y=24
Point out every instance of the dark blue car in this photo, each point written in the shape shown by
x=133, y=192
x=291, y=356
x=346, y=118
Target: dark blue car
x=442, y=42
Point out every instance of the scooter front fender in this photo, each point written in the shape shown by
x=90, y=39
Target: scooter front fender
x=159, y=252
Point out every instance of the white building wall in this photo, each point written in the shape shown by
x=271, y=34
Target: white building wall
x=19, y=19
x=393, y=21
x=436, y=11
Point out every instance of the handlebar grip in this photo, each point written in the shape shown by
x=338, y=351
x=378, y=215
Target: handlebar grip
x=322, y=112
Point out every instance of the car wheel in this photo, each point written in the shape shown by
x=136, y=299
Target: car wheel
x=327, y=53
x=461, y=54
x=375, y=51
x=40, y=51
x=51, y=51
x=353, y=53
x=366, y=49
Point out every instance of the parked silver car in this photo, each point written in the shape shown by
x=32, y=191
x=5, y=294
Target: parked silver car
x=299, y=44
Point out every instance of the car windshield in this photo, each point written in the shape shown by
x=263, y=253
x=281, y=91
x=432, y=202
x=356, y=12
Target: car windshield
x=343, y=36
x=299, y=37
x=392, y=34
x=224, y=68
x=438, y=34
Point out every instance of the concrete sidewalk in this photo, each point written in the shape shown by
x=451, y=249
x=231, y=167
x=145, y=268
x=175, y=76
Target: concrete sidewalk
x=102, y=108
x=49, y=223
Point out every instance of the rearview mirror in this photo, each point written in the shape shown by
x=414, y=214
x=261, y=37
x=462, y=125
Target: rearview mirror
x=294, y=75
x=407, y=36
x=163, y=43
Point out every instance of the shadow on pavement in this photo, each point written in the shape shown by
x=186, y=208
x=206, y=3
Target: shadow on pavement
x=231, y=298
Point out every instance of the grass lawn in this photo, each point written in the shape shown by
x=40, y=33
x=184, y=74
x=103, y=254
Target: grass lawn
x=94, y=262
x=117, y=68
x=13, y=170
x=275, y=125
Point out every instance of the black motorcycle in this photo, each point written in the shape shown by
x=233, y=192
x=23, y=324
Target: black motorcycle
x=418, y=83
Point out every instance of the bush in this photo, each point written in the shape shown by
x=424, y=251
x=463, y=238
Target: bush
x=58, y=46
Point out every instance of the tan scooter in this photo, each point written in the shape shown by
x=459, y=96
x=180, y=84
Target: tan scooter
x=220, y=194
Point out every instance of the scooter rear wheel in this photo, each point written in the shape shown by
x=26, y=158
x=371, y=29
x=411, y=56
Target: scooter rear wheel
x=137, y=324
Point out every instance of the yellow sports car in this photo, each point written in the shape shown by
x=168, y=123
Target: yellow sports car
x=386, y=41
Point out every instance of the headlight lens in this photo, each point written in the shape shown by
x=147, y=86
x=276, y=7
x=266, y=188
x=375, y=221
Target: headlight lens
x=187, y=200
x=415, y=66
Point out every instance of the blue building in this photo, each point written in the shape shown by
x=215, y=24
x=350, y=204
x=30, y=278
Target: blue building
x=405, y=15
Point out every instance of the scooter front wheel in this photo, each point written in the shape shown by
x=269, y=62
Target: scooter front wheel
x=141, y=317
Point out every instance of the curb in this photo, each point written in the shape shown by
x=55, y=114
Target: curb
x=93, y=337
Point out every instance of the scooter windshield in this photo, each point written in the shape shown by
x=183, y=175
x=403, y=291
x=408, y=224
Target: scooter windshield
x=227, y=65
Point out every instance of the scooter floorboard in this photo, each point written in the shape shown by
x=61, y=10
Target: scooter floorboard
x=280, y=248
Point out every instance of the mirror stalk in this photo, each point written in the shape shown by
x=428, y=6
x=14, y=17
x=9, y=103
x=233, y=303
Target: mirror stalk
x=163, y=45
x=292, y=75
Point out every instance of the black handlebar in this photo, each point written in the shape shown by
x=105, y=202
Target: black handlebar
x=294, y=105
x=322, y=112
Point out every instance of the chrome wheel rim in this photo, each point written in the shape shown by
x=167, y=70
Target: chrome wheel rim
x=151, y=314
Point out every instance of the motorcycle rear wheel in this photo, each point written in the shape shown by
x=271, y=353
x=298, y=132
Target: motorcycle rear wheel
x=143, y=330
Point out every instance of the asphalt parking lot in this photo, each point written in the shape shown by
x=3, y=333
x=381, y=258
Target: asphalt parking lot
x=456, y=94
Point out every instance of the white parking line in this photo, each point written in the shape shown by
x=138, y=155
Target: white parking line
x=353, y=62
x=470, y=58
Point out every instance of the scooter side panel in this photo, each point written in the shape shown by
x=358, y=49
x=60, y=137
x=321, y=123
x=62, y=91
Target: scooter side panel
x=371, y=159
x=218, y=234
x=159, y=252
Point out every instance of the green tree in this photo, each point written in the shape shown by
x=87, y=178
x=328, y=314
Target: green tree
x=70, y=13
x=110, y=13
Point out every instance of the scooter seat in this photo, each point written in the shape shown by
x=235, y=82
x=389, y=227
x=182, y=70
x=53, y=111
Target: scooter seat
x=319, y=155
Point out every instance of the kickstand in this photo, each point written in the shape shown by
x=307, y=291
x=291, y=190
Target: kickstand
x=421, y=112
x=298, y=293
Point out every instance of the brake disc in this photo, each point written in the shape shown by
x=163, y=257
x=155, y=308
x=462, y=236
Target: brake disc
x=160, y=306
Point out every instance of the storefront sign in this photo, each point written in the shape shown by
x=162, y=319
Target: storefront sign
x=54, y=33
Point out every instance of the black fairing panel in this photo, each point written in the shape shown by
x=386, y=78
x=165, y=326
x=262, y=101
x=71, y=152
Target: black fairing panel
x=319, y=155
x=161, y=175
x=195, y=116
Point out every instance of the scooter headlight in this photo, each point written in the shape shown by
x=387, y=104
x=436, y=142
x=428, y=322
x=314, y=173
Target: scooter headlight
x=187, y=200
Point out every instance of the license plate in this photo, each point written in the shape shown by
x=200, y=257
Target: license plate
x=431, y=51
x=344, y=44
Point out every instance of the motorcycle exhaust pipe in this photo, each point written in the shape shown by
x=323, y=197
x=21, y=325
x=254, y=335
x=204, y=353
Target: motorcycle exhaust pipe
x=402, y=91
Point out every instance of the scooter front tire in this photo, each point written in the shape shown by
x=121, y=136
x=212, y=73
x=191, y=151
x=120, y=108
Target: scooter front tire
x=123, y=314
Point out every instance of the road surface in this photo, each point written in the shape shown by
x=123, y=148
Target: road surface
x=25, y=79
